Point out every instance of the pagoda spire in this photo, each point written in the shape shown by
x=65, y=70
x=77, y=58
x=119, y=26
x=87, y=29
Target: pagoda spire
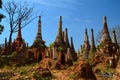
x=60, y=27
x=59, y=38
x=66, y=38
x=18, y=43
x=86, y=41
x=105, y=33
x=114, y=40
x=39, y=35
x=19, y=36
x=86, y=46
x=81, y=47
x=38, y=39
x=71, y=45
x=93, y=48
x=72, y=49
x=63, y=33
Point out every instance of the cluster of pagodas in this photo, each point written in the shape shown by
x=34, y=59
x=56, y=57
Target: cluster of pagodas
x=61, y=49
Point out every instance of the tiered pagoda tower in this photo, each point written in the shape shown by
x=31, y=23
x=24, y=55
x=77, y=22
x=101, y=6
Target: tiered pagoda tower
x=92, y=47
x=59, y=39
x=38, y=42
x=19, y=36
x=61, y=49
x=66, y=40
x=86, y=45
x=71, y=45
x=19, y=42
x=114, y=40
x=107, y=48
x=105, y=32
x=72, y=49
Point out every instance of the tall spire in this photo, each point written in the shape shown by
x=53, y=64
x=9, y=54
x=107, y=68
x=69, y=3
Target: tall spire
x=63, y=35
x=18, y=42
x=86, y=46
x=114, y=40
x=86, y=41
x=93, y=48
x=19, y=36
x=39, y=35
x=38, y=40
x=60, y=27
x=105, y=33
x=86, y=36
x=66, y=38
x=59, y=38
x=72, y=49
x=71, y=45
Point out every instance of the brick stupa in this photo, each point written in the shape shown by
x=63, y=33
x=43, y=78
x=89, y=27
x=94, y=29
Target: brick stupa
x=92, y=47
x=18, y=43
x=39, y=42
x=105, y=32
x=86, y=45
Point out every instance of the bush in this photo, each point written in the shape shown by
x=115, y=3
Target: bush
x=51, y=44
x=73, y=76
x=13, y=54
x=39, y=77
x=60, y=49
x=23, y=72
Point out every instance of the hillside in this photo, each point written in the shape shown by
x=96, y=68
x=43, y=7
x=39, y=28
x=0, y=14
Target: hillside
x=81, y=70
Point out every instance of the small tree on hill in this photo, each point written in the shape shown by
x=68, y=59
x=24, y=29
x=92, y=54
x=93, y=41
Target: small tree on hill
x=16, y=11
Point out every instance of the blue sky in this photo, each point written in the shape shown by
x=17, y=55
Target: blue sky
x=77, y=15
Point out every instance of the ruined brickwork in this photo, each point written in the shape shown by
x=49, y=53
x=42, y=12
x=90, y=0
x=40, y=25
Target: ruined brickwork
x=92, y=47
x=105, y=32
x=86, y=45
x=62, y=49
x=38, y=48
x=107, y=50
x=19, y=42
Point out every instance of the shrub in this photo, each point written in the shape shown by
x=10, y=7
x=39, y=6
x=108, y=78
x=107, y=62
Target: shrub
x=60, y=49
x=51, y=44
x=23, y=72
x=73, y=76
x=13, y=54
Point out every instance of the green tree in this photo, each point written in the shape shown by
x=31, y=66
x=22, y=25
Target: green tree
x=1, y=16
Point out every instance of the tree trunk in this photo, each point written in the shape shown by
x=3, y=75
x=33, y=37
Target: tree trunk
x=10, y=37
x=10, y=41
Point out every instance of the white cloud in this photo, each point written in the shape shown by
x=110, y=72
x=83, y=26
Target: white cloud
x=71, y=4
x=77, y=20
x=59, y=3
x=88, y=21
x=82, y=20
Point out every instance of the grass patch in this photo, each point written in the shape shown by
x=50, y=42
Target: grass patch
x=73, y=76
x=39, y=77
x=23, y=72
